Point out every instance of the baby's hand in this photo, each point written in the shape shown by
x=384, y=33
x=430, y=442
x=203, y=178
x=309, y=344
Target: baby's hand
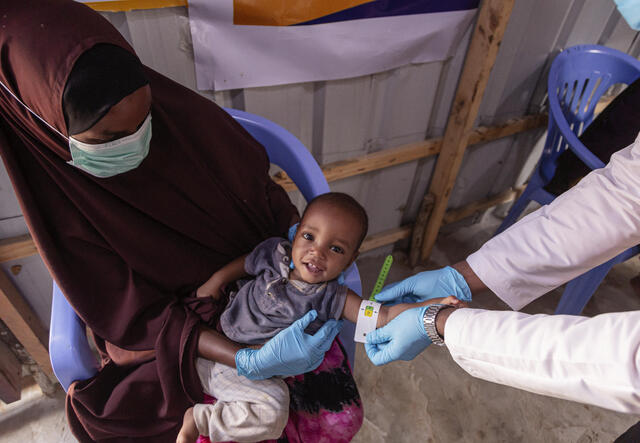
x=211, y=288
x=388, y=313
x=450, y=300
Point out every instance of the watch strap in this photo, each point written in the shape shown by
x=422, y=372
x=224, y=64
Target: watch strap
x=429, y=323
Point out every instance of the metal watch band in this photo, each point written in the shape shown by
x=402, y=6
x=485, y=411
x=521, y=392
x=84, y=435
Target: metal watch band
x=429, y=322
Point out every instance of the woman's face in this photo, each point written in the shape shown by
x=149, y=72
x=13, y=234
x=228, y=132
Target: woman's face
x=123, y=119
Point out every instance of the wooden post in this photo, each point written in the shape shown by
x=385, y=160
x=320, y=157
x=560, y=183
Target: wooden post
x=412, y=151
x=10, y=375
x=483, y=49
x=419, y=228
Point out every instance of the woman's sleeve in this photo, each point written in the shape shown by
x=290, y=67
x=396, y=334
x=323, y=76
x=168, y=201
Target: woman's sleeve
x=590, y=360
x=584, y=227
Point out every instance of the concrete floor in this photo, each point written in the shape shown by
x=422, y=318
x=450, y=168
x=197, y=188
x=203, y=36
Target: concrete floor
x=429, y=399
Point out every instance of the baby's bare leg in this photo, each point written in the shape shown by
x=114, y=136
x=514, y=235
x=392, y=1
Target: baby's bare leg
x=188, y=432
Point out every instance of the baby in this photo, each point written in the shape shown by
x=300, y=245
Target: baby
x=287, y=281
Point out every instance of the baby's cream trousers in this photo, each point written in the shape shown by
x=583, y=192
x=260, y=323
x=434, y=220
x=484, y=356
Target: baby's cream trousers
x=246, y=410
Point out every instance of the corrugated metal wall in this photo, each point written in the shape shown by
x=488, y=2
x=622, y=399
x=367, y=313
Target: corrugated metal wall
x=341, y=119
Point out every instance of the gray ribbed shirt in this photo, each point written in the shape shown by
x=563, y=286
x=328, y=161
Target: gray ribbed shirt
x=270, y=302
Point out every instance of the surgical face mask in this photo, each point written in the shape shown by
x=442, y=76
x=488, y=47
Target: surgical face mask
x=114, y=157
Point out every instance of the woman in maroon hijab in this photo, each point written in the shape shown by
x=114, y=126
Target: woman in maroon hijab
x=135, y=190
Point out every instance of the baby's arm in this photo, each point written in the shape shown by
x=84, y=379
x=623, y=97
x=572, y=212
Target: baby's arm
x=230, y=272
x=388, y=313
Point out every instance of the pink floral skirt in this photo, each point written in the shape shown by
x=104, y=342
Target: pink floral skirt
x=325, y=406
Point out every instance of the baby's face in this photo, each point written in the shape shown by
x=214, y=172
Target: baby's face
x=325, y=244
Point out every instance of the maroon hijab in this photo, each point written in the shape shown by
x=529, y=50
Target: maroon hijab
x=129, y=251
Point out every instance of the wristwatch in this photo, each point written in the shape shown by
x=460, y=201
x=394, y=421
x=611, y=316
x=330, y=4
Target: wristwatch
x=429, y=323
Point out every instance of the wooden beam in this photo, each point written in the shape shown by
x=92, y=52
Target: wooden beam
x=393, y=235
x=484, y=134
x=24, y=324
x=370, y=162
x=415, y=151
x=385, y=238
x=454, y=215
x=482, y=53
x=17, y=247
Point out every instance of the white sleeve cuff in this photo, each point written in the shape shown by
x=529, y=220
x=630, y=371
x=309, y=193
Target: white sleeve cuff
x=590, y=360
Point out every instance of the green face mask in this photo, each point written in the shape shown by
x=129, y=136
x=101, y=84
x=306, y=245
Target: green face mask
x=114, y=157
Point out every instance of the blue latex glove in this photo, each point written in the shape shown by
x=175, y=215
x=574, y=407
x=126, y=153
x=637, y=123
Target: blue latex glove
x=291, y=235
x=630, y=10
x=426, y=285
x=402, y=338
x=290, y=352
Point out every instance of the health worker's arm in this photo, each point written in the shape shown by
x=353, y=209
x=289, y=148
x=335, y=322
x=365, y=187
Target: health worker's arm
x=584, y=227
x=589, y=360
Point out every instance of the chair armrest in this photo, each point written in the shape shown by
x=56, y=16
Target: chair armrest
x=71, y=357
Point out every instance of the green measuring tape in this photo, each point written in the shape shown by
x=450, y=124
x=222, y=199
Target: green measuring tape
x=381, y=277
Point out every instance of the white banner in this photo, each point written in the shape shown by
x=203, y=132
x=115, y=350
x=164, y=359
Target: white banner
x=273, y=42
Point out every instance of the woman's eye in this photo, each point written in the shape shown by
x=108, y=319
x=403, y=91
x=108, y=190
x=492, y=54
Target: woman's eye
x=337, y=249
x=307, y=236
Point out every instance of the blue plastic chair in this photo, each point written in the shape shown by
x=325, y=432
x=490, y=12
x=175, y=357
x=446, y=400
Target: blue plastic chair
x=579, y=76
x=72, y=358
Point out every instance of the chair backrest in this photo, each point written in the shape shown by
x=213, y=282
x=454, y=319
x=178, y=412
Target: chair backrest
x=286, y=151
x=578, y=77
x=290, y=154
x=71, y=357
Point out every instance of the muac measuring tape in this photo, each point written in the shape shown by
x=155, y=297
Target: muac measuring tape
x=369, y=309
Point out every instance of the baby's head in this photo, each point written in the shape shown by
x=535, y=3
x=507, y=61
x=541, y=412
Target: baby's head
x=328, y=238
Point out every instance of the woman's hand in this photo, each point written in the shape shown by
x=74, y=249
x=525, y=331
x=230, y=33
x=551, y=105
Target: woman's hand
x=425, y=286
x=290, y=352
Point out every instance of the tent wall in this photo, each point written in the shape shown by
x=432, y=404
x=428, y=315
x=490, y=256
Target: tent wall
x=342, y=119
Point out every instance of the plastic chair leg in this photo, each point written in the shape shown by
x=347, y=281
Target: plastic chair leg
x=579, y=290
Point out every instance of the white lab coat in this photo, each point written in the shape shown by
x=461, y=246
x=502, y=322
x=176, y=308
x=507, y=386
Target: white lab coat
x=591, y=360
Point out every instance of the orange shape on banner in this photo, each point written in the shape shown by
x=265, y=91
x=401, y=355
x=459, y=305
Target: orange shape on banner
x=286, y=12
x=129, y=5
